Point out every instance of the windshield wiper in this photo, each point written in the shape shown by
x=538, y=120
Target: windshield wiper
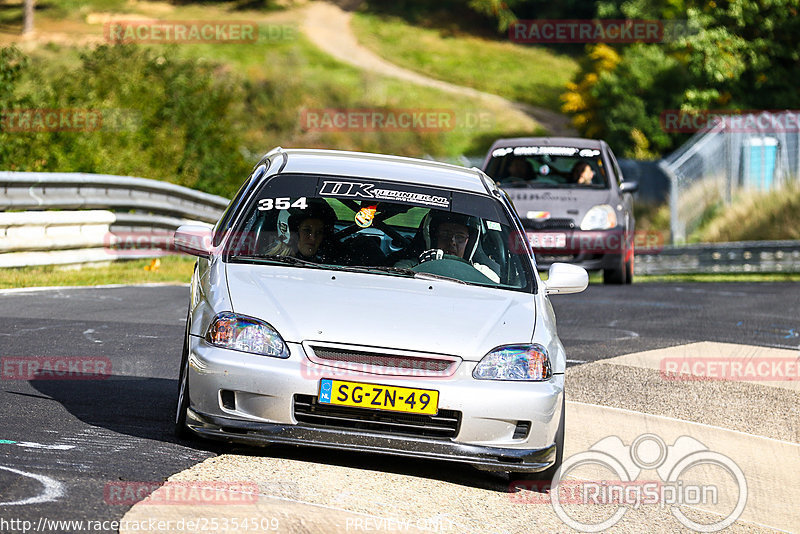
x=383, y=268
x=431, y=276
x=289, y=260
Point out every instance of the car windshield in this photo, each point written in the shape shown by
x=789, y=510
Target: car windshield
x=548, y=166
x=385, y=228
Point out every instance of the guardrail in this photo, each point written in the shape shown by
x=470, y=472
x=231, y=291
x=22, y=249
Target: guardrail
x=740, y=257
x=79, y=191
x=69, y=218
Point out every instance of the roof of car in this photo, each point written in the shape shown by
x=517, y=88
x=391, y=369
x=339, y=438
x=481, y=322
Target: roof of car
x=574, y=142
x=383, y=167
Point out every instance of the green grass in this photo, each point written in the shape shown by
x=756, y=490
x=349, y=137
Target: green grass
x=734, y=277
x=178, y=269
x=596, y=277
x=172, y=269
x=755, y=217
x=311, y=79
x=529, y=74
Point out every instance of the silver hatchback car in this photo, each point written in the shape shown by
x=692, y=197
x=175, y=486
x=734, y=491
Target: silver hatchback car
x=378, y=304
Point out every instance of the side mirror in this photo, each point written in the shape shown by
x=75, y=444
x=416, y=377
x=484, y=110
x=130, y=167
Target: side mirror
x=564, y=278
x=194, y=239
x=629, y=187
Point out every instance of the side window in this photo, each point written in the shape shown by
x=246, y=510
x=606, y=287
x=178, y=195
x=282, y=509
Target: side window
x=227, y=218
x=615, y=165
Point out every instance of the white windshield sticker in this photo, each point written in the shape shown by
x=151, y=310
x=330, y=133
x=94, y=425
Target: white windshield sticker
x=491, y=225
x=545, y=151
x=369, y=191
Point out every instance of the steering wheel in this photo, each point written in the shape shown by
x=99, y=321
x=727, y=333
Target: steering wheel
x=435, y=254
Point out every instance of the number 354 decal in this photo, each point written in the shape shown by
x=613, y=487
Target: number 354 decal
x=281, y=203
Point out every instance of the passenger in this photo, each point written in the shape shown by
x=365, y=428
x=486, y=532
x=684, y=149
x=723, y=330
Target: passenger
x=582, y=173
x=303, y=234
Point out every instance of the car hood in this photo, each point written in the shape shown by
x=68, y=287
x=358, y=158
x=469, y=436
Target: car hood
x=376, y=310
x=566, y=203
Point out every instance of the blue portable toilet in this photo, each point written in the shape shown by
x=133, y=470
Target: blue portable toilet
x=759, y=155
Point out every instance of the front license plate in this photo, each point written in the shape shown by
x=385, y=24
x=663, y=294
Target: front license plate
x=547, y=240
x=378, y=397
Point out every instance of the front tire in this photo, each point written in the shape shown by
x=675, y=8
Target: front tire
x=181, y=430
x=618, y=275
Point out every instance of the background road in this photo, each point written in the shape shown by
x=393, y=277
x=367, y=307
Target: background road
x=83, y=435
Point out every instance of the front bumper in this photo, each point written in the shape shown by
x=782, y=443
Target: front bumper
x=591, y=249
x=265, y=388
x=485, y=458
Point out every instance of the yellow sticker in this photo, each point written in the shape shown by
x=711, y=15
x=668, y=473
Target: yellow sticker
x=365, y=215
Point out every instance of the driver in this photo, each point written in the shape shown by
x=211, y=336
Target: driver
x=519, y=170
x=455, y=235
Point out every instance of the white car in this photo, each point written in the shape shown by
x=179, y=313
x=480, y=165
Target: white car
x=379, y=304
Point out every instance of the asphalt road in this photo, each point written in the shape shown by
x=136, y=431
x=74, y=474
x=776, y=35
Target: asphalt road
x=64, y=443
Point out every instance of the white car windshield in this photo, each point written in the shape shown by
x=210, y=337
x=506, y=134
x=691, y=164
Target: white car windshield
x=387, y=228
x=548, y=167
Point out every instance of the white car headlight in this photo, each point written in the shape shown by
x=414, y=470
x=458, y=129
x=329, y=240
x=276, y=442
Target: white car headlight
x=515, y=362
x=231, y=331
x=601, y=217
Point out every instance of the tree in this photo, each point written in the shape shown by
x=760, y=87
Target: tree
x=737, y=55
x=27, y=26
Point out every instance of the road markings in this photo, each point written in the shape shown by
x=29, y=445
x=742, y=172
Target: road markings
x=34, y=445
x=88, y=335
x=52, y=490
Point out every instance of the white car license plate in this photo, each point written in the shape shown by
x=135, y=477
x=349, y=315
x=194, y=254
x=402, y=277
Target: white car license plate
x=547, y=240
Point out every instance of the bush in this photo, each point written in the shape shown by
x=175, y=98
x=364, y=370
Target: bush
x=178, y=120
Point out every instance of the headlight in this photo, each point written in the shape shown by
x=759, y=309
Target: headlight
x=600, y=217
x=231, y=331
x=515, y=362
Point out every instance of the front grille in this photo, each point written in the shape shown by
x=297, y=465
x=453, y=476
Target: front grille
x=444, y=425
x=389, y=364
x=549, y=224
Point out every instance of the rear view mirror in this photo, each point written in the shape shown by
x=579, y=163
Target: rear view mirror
x=564, y=278
x=194, y=239
x=629, y=187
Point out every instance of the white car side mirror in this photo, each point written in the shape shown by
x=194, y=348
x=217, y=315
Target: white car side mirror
x=564, y=278
x=194, y=239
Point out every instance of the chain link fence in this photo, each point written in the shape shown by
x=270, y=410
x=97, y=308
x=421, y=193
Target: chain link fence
x=734, y=155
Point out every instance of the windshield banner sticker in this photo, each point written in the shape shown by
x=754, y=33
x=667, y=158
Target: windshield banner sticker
x=545, y=151
x=341, y=189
